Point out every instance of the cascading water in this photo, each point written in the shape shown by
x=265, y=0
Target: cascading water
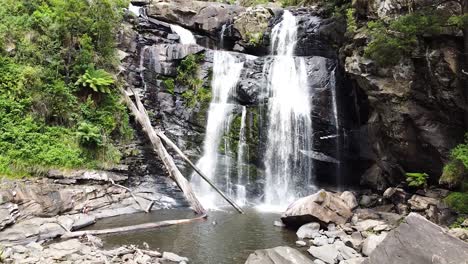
x=226, y=73
x=289, y=121
x=242, y=175
x=186, y=37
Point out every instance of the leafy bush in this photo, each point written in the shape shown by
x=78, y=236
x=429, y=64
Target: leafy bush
x=397, y=38
x=48, y=50
x=98, y=80
x=351, y=20
x=170, y=85
x=416, y=179
x=89, y=135
x=458, y=201
x=187, y=71
x=455, y=171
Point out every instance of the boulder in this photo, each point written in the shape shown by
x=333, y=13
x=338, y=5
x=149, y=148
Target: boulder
x=417, y=240
x=252, y=24
x=169, y=256
x=421, y=203
x=357, y=260
x=309, y=230
x=323, y=207
x=460, y=233
x=349, y=199
x=278, y=255
x=327, y=253
x=196, y=15
x=371, y=243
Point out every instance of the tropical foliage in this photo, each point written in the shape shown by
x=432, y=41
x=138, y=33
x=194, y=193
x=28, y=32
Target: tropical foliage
x=57, y=105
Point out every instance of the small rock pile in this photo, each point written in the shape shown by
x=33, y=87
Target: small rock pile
x=85, y=250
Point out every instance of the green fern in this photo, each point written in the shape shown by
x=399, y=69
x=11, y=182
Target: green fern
x=98, y=80
x=416, y=179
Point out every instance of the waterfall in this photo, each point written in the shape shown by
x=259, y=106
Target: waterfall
x=186, y=37
x=242, y=149
x=289, y=118
x=226, y=74
x=336, y=122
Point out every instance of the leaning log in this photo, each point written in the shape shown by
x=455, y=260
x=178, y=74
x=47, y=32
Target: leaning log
x=196, y=169
x=171, y=144
x=143, y=119
x=132, y=228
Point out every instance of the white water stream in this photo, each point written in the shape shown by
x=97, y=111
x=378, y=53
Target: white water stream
x=289, y=124
x=186, y=37
x=226, y=73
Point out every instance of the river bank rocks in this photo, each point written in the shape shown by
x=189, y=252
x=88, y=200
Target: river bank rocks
x=85, y=250
x=417, y=240
x=278, y=255
x=375, y=228
x=34, y=210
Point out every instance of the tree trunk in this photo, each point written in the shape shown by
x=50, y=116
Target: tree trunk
x=143, y=119
x=132, y=228
x=196, y=169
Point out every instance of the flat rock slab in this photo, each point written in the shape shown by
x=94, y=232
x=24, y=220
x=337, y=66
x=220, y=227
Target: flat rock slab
x=278, y=255
x=417, y=241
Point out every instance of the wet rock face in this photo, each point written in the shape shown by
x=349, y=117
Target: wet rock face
x=416, y=112
x=196, y=15
x=154, y=54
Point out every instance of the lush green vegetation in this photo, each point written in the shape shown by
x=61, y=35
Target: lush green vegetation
x=455, y=171
x=188, y=75
x=458, y=223
x=416, y=179
x=458, y=201
x=58, y=105
x=397, y=38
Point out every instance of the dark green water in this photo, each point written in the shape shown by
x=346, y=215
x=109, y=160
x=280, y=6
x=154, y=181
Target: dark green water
x=225, y=238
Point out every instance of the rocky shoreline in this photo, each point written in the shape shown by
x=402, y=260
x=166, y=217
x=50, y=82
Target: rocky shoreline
x=339, y=229
x=85, y=250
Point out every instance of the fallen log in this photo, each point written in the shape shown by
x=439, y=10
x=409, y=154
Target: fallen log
x=171, y=144
x=197, y=170
x=143, y=119
x=132, y=228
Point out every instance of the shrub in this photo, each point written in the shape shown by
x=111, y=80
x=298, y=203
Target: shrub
x=458, y=201
x=351, y=20
x=453, y=174
x=397, y=38
x=416, y=179
x=89, y=135
x=98, y=80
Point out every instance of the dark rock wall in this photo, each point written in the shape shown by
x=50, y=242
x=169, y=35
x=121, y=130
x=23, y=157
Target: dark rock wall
x=405, y=118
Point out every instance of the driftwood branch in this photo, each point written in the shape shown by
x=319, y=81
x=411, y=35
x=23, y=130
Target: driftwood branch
x=195, y=168
x=132, y=228
x=143, y=119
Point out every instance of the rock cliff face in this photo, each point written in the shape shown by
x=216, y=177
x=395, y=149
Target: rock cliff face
x=416, y=109
x=392, y=120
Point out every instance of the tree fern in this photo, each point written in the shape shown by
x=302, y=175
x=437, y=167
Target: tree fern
x=98, y=80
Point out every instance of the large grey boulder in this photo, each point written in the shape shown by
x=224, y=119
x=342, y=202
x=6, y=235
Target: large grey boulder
x=196, y=15
x=310, y=230
x=278, y=255
x=323, y=207
x=371, y=243
x=417, y=241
